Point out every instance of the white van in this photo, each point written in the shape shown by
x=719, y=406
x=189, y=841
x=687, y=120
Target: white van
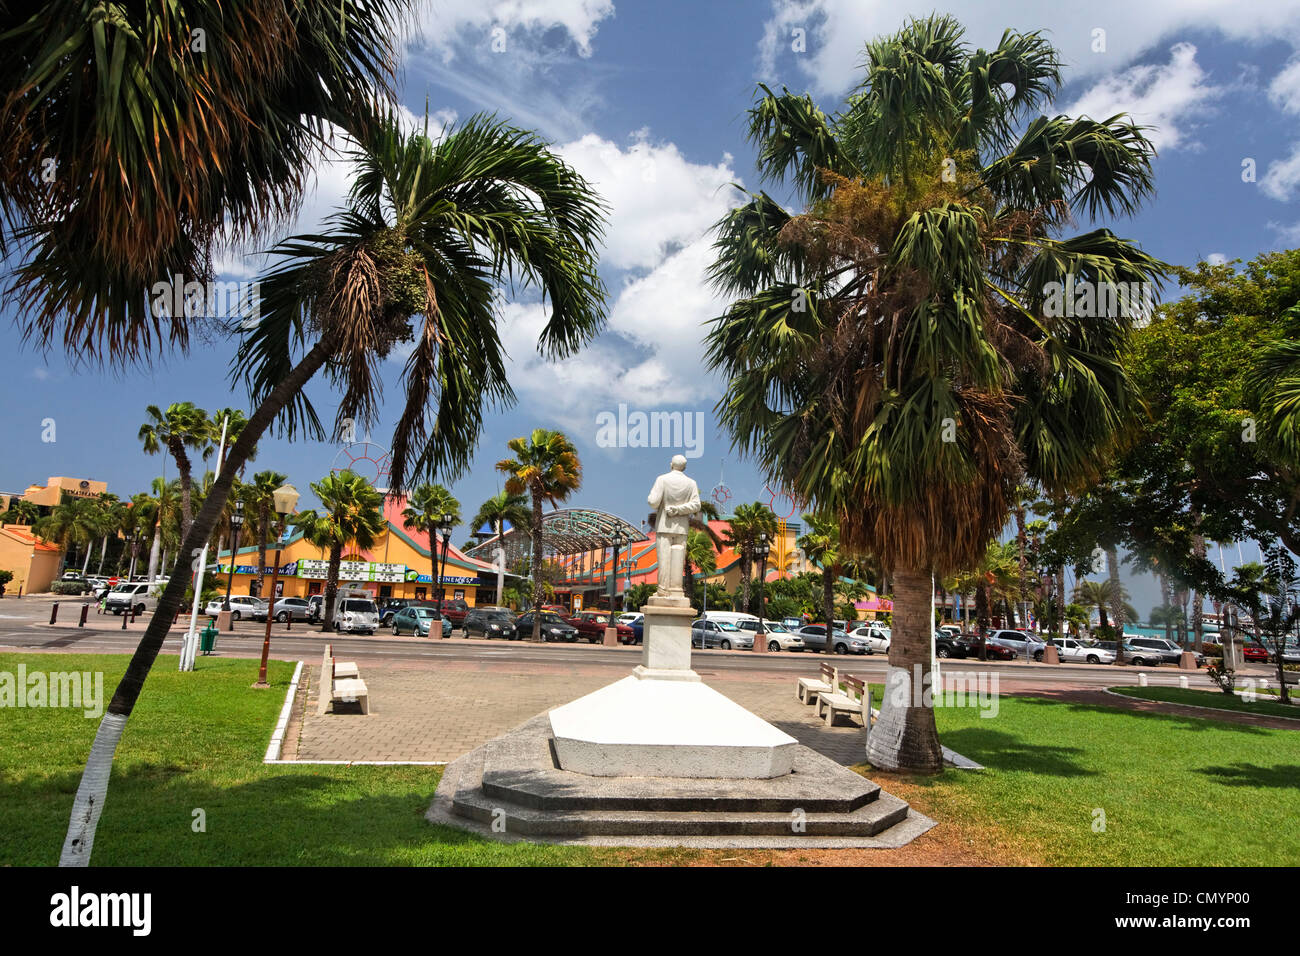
x=730, y=617
x=127, y=597
x=355, y=611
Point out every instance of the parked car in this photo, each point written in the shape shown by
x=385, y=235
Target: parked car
x=1291, y=654
x=391, y=605
x=591, y=625
x=720, y=634
x=490, y=621
x=876, y=636
x=1019, y=641
x=1142, y=656
x=974, y=643
x=554, y=627
x=126, y=597
x=315, y=607
x=952, y=630
x=777, y=635
x=1170, y=652
x=792, y=623
x=637, y=623
x=290, y=607
x=455, y=610
x=356, y=615
x=418, y=620
x=946, y=646
x=814, y=638
x=1075, y=651
x=241, y=606
x=1256, y=653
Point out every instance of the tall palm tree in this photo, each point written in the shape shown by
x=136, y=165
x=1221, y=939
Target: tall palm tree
x=821, y=545
x=707, y=543
x=182, y=426
x=138, y=520
x=744, y=530
x=425, y=508
x=546, y=467
x=494, y=513
x=110, y=515
x=234, y=422
x=20, y=512
x=893, y=352
x=166, y=497
x=259, y=500
x=351, y=515
x=430, y=233
x=168, y=130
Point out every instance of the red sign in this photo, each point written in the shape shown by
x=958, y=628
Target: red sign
x=112, y=582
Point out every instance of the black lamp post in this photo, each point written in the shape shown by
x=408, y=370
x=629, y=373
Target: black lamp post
x=761, y=551
x=445, y=525
x=236, y=521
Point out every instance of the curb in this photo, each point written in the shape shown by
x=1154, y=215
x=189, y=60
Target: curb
x=1214, y=710
x=277, y=736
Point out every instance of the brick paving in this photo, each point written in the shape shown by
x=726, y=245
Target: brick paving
x=431, y=711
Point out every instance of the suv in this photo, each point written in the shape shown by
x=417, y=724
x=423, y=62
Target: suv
x=946, y=646
x=356, y=615
x=455, y=611
x=592, y=624
x=241, y=605
x=490, y=621
x=814, y=638
x=315, y=608
x=877, y=637
x=554, y=627
x=1019, y=641
x=778, y=636
x=1169, y=652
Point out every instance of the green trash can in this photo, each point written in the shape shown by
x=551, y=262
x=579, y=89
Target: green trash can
x=208, y=637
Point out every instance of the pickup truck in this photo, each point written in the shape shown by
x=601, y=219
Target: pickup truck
x=591, y=627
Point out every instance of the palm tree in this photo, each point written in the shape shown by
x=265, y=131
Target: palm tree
x=20, y=512
x=138, y=520
x=494, y=513
x=259, y=500
x=821, y=545
x=161, y=152
x=893, y=352
x=743, y=532
x=182, y=426
x=166, y=494
x=234, y=422
x=351, y=515
x=430, y=233
x=72, y=523
x=110, y=514
x=426, y=506
x=701, y=555
x=545, y=466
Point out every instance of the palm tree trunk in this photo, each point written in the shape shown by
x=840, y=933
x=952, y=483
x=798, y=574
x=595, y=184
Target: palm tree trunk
x=744, y=580
x=537, y=567
x=1060, y=596
x=93, y=789
x=183, y=465
x=85, y=568
x=1198, y=613
x=103, y=553
x=332, y=585
x=153, y=552
x=905, y=738
x=263, y=528
x=1165, y=606
x=1116, y=592
x=828, y=596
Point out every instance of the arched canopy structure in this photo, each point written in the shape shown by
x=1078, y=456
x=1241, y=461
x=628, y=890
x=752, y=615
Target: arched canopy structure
x=569, y=531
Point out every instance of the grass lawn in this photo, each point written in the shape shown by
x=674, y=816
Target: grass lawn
x=1217, y=700
x=1175, y=790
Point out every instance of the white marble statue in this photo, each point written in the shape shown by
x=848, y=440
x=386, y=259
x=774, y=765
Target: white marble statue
x=676, y=498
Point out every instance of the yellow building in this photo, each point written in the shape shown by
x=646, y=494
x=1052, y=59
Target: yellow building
x=34, y=563
x=54, y=489
x=399, y=565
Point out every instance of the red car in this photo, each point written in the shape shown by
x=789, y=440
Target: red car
x=996, y=652
x=591, y=625
x=1255, y=652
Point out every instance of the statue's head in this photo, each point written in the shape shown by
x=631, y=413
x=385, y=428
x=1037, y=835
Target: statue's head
x=679, y=462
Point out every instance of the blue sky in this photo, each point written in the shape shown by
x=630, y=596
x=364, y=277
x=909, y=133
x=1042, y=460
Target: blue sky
x=648, y=101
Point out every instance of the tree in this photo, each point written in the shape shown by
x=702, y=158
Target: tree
x=494, y=513
x=546, y=467
x=351, y=515
x=72, y=523
x=638, y=594
x=425, y=508
x=898, y=353
x=700, y=555
x=138, y=521
x=259, y=500
x=745, y=529
x=821, y=544
x=1271, y=598
x=182, y=426
x=20, y=512
x=487, y=204
x=234, y=421
x=110, y=524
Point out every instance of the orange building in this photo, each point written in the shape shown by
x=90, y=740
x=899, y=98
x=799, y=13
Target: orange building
x=34, y=563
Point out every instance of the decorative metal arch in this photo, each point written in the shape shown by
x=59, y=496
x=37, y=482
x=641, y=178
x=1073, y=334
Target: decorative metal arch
x=568, y=531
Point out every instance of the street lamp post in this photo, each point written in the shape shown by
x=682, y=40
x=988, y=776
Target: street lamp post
x=761, y=551
x=236, y=522
x=611, y=630
x=445, y=525
x=286, y=499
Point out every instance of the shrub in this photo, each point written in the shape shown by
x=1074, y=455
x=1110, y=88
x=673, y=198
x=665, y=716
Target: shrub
x=1225, y=677
x=69, y=587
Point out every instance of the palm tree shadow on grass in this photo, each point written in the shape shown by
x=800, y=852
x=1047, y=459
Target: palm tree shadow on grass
x=1253, y=775
x=998, y=750
x=1185, y=722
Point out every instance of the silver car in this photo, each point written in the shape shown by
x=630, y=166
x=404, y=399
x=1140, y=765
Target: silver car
x=706, y=634
x=814, y=638
x=778, y=637
x=299, y=609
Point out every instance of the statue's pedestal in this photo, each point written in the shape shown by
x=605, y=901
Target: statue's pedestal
x=663, y=721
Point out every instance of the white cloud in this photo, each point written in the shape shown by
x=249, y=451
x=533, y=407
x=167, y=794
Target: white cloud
x=1288, y=234
x=658, y=200
x=1161, y=97
x=1283, y=176
x=1216, y=258
x=1284, y=91
x=443, y=21
x=837, y=30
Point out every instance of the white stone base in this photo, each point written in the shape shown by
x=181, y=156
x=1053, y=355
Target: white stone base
x=667, y=728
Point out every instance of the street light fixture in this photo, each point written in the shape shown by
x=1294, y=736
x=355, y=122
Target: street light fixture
x=236, y=522
x=285, y=500
x=445, y=524
x=761, y=551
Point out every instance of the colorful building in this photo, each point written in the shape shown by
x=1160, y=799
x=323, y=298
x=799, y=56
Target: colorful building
x=34, y=563
x=52, y=492
x=399, y=565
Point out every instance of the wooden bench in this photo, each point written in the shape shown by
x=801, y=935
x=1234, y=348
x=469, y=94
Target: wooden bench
x=850, y=702
x=809, y=688
x=340, y=681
